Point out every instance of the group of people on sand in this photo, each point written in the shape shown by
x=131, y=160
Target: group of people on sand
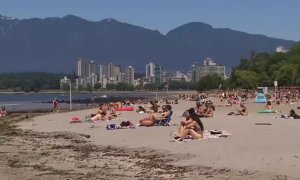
x=190, y=126
x=104, y=112
x=242, y=110
x=287, y=96
x=151, y=108
x=192, y=97
x=205, y=109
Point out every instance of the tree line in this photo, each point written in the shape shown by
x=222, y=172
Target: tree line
x=30, y=81
x=259, y=70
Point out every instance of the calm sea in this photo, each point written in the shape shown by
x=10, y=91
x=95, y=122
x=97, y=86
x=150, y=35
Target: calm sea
x=40, y=101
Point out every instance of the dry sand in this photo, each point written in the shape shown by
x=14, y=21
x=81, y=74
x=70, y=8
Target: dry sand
x=252, y=152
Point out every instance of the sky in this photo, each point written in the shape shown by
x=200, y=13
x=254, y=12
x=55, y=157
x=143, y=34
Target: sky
x=273, y=18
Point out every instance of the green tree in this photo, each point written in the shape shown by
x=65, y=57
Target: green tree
x=124, y=87
x=89, y=88
x=97, y=86
x=150, y=87
x=245, y=79
x=110, y=86
x=209, y=82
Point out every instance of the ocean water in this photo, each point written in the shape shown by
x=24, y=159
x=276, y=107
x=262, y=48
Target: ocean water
x=43, y=101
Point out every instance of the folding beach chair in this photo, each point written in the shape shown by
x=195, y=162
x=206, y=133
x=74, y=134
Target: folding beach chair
x=164, y=122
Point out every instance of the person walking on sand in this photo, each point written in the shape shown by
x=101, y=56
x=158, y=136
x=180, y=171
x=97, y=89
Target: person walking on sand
x=55, y=104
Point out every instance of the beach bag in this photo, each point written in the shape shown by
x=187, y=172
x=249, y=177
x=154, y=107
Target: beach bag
x=111, y=127
x=126, y=124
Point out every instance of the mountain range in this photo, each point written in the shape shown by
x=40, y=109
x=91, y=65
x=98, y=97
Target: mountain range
x=55, y=44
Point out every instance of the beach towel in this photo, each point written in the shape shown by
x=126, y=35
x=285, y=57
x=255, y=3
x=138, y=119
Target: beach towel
x=75, y=119
x=208, y=134
x=267, y=111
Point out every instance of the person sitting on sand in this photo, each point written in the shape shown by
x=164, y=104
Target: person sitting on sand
x=294, y=115
x=268, y=106
x=243, y=111
x=118, y=105
x=192, y=126
x=153, y=107
x=112, y=110
x=3, y=112
x=150, y=121
x=141, y=109
x=176, y=101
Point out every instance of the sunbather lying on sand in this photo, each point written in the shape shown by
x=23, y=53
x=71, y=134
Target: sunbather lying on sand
x=294, y=115
x=102, y=114
x=192, y=126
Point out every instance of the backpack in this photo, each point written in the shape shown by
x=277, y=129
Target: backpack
x=111, y=127
x=126, y=124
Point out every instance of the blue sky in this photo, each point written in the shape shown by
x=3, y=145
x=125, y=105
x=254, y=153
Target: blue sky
x=270, y=17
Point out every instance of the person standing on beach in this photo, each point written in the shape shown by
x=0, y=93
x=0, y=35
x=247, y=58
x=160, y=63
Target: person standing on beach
x=55, y=104
x=3, y=112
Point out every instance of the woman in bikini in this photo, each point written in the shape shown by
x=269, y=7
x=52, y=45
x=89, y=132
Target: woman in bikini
x=192, y=126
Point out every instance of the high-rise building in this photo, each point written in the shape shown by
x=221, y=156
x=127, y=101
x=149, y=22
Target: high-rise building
x=158, y=74
x=150, y=71
x=129, y=75
x=82, y=68
x=91, y=68
x=85, y=68
x=113, y=70
x=209, y=68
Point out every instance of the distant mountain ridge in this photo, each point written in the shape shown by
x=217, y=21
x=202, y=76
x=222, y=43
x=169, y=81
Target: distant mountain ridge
x=54, y=44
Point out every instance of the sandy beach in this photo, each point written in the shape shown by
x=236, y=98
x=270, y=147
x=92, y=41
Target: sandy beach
x=251, y=152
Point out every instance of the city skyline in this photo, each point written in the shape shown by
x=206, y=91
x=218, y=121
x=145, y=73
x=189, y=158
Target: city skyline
x=155, y=74
x=269, y=17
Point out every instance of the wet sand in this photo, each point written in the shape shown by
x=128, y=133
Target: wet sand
x=49, y=147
